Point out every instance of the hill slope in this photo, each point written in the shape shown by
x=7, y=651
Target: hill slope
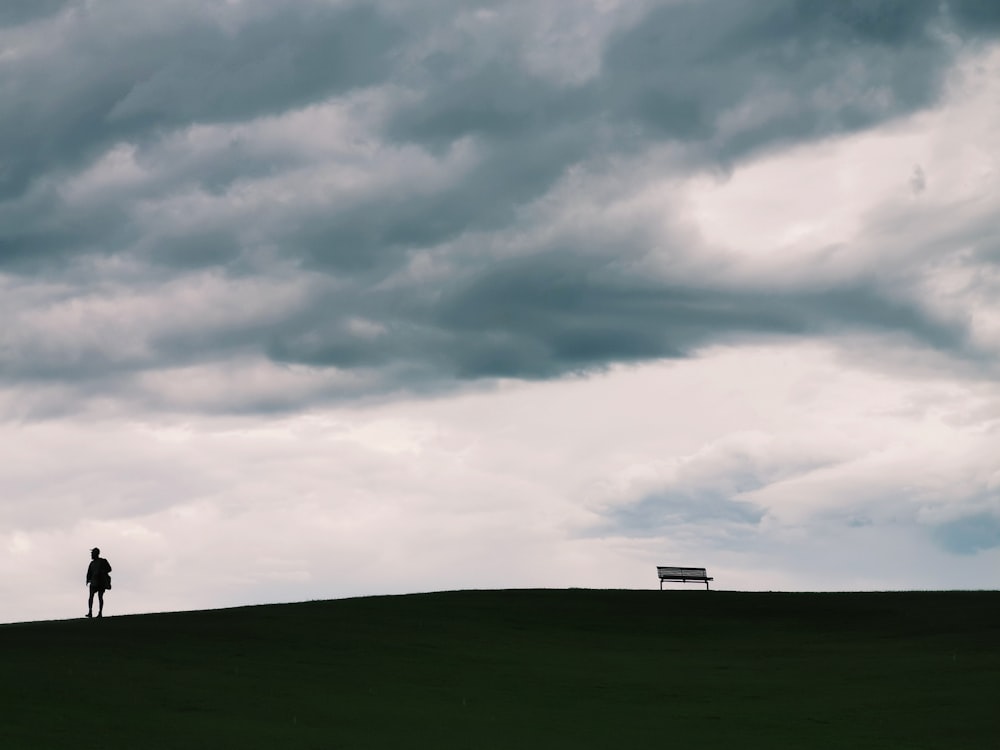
x=517, y=669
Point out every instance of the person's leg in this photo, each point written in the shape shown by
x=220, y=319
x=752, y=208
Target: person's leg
x=90, y=603
x=100, y=602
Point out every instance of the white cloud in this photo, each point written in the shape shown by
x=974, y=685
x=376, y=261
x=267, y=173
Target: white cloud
x=505, y=487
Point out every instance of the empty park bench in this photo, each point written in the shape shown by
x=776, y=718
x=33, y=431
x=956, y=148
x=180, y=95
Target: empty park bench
x=683, y=575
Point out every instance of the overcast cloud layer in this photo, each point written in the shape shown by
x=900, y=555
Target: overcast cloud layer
x=332, y=297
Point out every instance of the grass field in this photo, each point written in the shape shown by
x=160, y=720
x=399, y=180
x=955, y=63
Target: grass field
x=518, y=669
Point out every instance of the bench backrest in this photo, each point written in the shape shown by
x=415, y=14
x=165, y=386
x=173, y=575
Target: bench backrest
x=692, y=573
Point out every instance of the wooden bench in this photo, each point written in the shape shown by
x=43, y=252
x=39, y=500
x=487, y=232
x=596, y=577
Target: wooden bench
x=683, y=575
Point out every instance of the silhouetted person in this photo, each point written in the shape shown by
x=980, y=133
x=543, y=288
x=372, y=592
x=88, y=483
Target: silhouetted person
x=99, y=580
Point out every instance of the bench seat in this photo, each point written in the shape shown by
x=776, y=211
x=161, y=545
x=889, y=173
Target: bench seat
x=682, y=575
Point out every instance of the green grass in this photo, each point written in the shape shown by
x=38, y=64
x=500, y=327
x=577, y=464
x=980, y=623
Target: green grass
x=518, y=669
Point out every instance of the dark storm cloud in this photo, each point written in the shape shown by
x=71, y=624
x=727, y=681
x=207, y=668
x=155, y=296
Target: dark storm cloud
x=40, y=229
x=114, y=77
x=140, y=155
x=558, y=313
x=550, y=312
x=14, y=12
x=725, y=80
x=388, y=225
x=976, y=16
x=799, y=70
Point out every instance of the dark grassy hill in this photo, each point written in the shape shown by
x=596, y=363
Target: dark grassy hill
x=518, y=669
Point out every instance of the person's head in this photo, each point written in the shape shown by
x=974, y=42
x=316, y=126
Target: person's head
x=95, y=553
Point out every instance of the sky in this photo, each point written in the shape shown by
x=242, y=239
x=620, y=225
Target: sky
x=318, y=299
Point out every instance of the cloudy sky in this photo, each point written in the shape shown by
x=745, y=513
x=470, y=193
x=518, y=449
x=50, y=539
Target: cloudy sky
x=319, y=298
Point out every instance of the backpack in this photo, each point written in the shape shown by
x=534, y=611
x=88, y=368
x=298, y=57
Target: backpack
x=101, y=575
